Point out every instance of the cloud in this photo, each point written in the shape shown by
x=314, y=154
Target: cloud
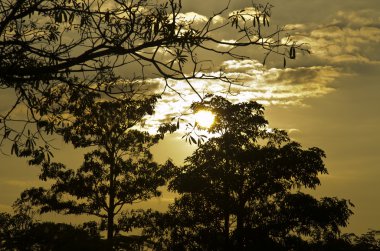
x=351, y=37
x=250, y=80
x=196, y=21
x=248, y=13
x=358, y=18
x=227, y=46
x=295, y=26
x=291, y=86
x=218, y=19
x=247, y=66
x=191, y=17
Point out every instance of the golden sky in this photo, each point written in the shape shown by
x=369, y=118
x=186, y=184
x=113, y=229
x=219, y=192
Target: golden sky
x=328, y=99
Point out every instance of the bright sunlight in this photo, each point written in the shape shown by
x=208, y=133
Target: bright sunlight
x=204, y=118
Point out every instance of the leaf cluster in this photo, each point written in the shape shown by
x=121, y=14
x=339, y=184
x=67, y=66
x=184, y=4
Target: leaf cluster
x=244, y=186
x=55, y=53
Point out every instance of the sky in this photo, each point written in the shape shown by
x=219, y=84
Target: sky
x=327, y=99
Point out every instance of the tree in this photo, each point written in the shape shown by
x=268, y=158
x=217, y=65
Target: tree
x=56, y=52
x=14, y=227
x=241, y=190
x=19, y=232
x=349, y=242
x=118, y=172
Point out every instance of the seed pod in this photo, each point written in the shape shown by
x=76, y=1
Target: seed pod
x=292, y=53
x=107, y=17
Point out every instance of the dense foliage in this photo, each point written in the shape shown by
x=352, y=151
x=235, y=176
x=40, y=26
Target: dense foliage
x=242, y=189
x=117, y=171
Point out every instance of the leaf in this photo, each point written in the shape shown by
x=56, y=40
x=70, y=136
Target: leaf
x=64, y=16
x=6, y=133
x=14, y=149
x=156, y=27
x=58, y=17
x=266, y=18
x=193, y=140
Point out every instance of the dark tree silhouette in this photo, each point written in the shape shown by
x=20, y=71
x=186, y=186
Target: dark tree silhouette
x=55, y=52
x=47, y=235
x=349, y=242
x=12, y=229
x=119, y=171
x=21, y=231
x=241, y=189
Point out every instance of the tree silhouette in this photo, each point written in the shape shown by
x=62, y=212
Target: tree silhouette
x=55, y=52
x=21, y=231
x=118, y=170
x=241, y=189
x=34, y=235
x=349, y=242
x=12, y=229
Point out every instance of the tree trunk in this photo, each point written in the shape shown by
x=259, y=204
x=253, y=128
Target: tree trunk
x=239, y=231
x=226, y=220
x=111, y=206
x=226, y=231
x=110, y=226
x=110, y=230
x=240, y=212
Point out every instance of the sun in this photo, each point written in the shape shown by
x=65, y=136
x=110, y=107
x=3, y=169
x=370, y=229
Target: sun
x=204, y=118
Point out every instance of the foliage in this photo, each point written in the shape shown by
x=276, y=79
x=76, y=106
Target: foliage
x=12, y=229
x=242, y=188
x=349, y=242
x=51, y=236
x=118, y=170
x=54, y=53
x=21, y=232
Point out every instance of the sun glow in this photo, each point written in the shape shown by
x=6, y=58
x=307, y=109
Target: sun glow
x=204, y=118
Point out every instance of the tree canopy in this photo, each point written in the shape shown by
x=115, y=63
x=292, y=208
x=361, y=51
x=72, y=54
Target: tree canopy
x=117, y=171
x=56, y=52
x=21, y=231
x=241, y=189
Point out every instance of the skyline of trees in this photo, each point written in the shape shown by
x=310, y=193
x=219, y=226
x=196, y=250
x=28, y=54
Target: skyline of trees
x=239, y=190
